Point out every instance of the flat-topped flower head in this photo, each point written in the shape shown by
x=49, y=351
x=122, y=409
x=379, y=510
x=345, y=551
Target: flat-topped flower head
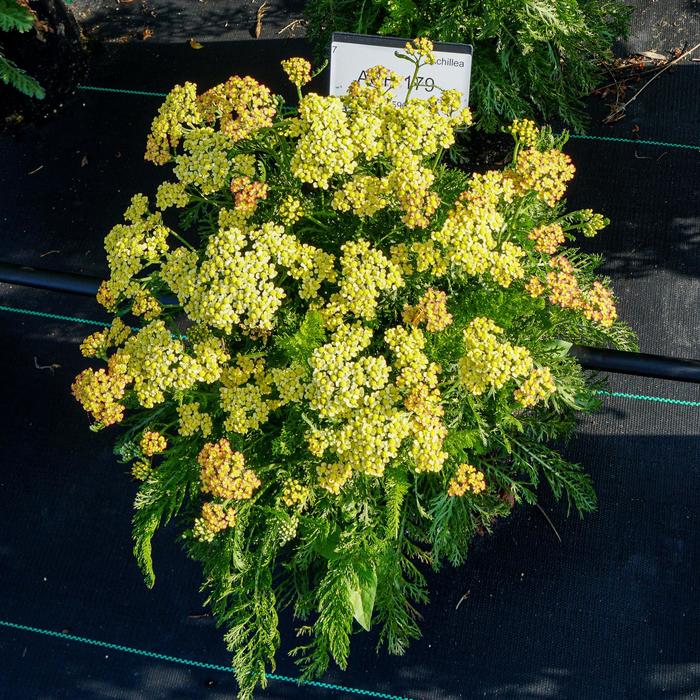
x=298, y=71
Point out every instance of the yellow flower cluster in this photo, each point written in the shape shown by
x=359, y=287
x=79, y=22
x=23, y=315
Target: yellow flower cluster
x=246, y=195
x=215, y=518
x=325, y=147
x=223, y=472
x=597, y=305
x=488, y=362
x=204, y=165
x=97, y=344
x=538, y=386
x=547, y=238
x=544, y=172
x=354, y=393
x=308, y=265
x=106, y=297
x=364, y=195
x=192, y=420
x=100, y=392
x=410, y=182
x=338, y=383
x=400, y=255
x=241, y=105
x=421, y=47
x=431, y=310
x=466, y=479
x=600, y=306
x=468, y=236
x=146, y=305
x=418, y=379
x=246, y=405
x=534, y=287
x=525, y=131
x=153, y=443
x=333, y=476
x=289, y=382
x=158, y=363
x=430, y=258
x=141, y=470
x=244, y=164
x=365, y=273
x=291, y=210
x=591, y=222
x=294, y=493
x=179, y=111
x=562, y=285
x=298, y=71
x=232, y=286
x=132, y=246
x=172, y=194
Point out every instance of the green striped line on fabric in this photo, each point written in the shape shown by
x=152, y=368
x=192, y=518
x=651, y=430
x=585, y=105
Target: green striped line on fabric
x=193, y=663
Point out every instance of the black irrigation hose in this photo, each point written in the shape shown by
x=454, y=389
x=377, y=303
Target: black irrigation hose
x=641, y=364
x=68, y=282
x=598, y=359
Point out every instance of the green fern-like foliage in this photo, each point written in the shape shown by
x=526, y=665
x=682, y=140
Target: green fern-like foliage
x=534, y=58
x=15, y=16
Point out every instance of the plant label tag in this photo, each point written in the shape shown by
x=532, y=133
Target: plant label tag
x=352, y=54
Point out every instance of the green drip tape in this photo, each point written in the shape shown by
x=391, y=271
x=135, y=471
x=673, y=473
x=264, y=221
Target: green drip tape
x=193, y=663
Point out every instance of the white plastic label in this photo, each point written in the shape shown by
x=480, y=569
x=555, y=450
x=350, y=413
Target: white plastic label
x=353, y=54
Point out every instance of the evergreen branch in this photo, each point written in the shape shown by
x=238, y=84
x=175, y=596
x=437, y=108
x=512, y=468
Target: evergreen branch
x=12, y=74
x=14, y=15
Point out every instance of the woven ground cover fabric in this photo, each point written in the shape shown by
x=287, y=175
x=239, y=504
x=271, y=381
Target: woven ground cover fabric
x=610, y=612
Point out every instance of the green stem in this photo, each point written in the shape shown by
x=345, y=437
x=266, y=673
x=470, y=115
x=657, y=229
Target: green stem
x=182, y=240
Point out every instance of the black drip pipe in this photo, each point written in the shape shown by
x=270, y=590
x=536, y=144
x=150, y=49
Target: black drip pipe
x=67, y=282
x=643, y=365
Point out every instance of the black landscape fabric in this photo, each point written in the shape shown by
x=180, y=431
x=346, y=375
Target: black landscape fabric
x=611, y=611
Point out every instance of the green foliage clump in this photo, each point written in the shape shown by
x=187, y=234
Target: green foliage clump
x=374, y=362
x=17, y=15
x=532, y=58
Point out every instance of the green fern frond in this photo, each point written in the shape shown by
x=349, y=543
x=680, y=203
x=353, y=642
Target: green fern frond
x=12, y=74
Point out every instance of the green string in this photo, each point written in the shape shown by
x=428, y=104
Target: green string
x=122, y=91
x=103, y=324
x=590, y=137
x=57, y=317
x=193, y=663
x=647, y=142
x=642, y=397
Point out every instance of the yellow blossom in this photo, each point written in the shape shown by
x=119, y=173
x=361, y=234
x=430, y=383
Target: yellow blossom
x=466, y=479
x=223, y=473
x=298, y=71
x=538, y=386
x=152, y=442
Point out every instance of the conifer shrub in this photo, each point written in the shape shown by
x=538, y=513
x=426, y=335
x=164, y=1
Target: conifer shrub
x=351, y=358
x=532, y=58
